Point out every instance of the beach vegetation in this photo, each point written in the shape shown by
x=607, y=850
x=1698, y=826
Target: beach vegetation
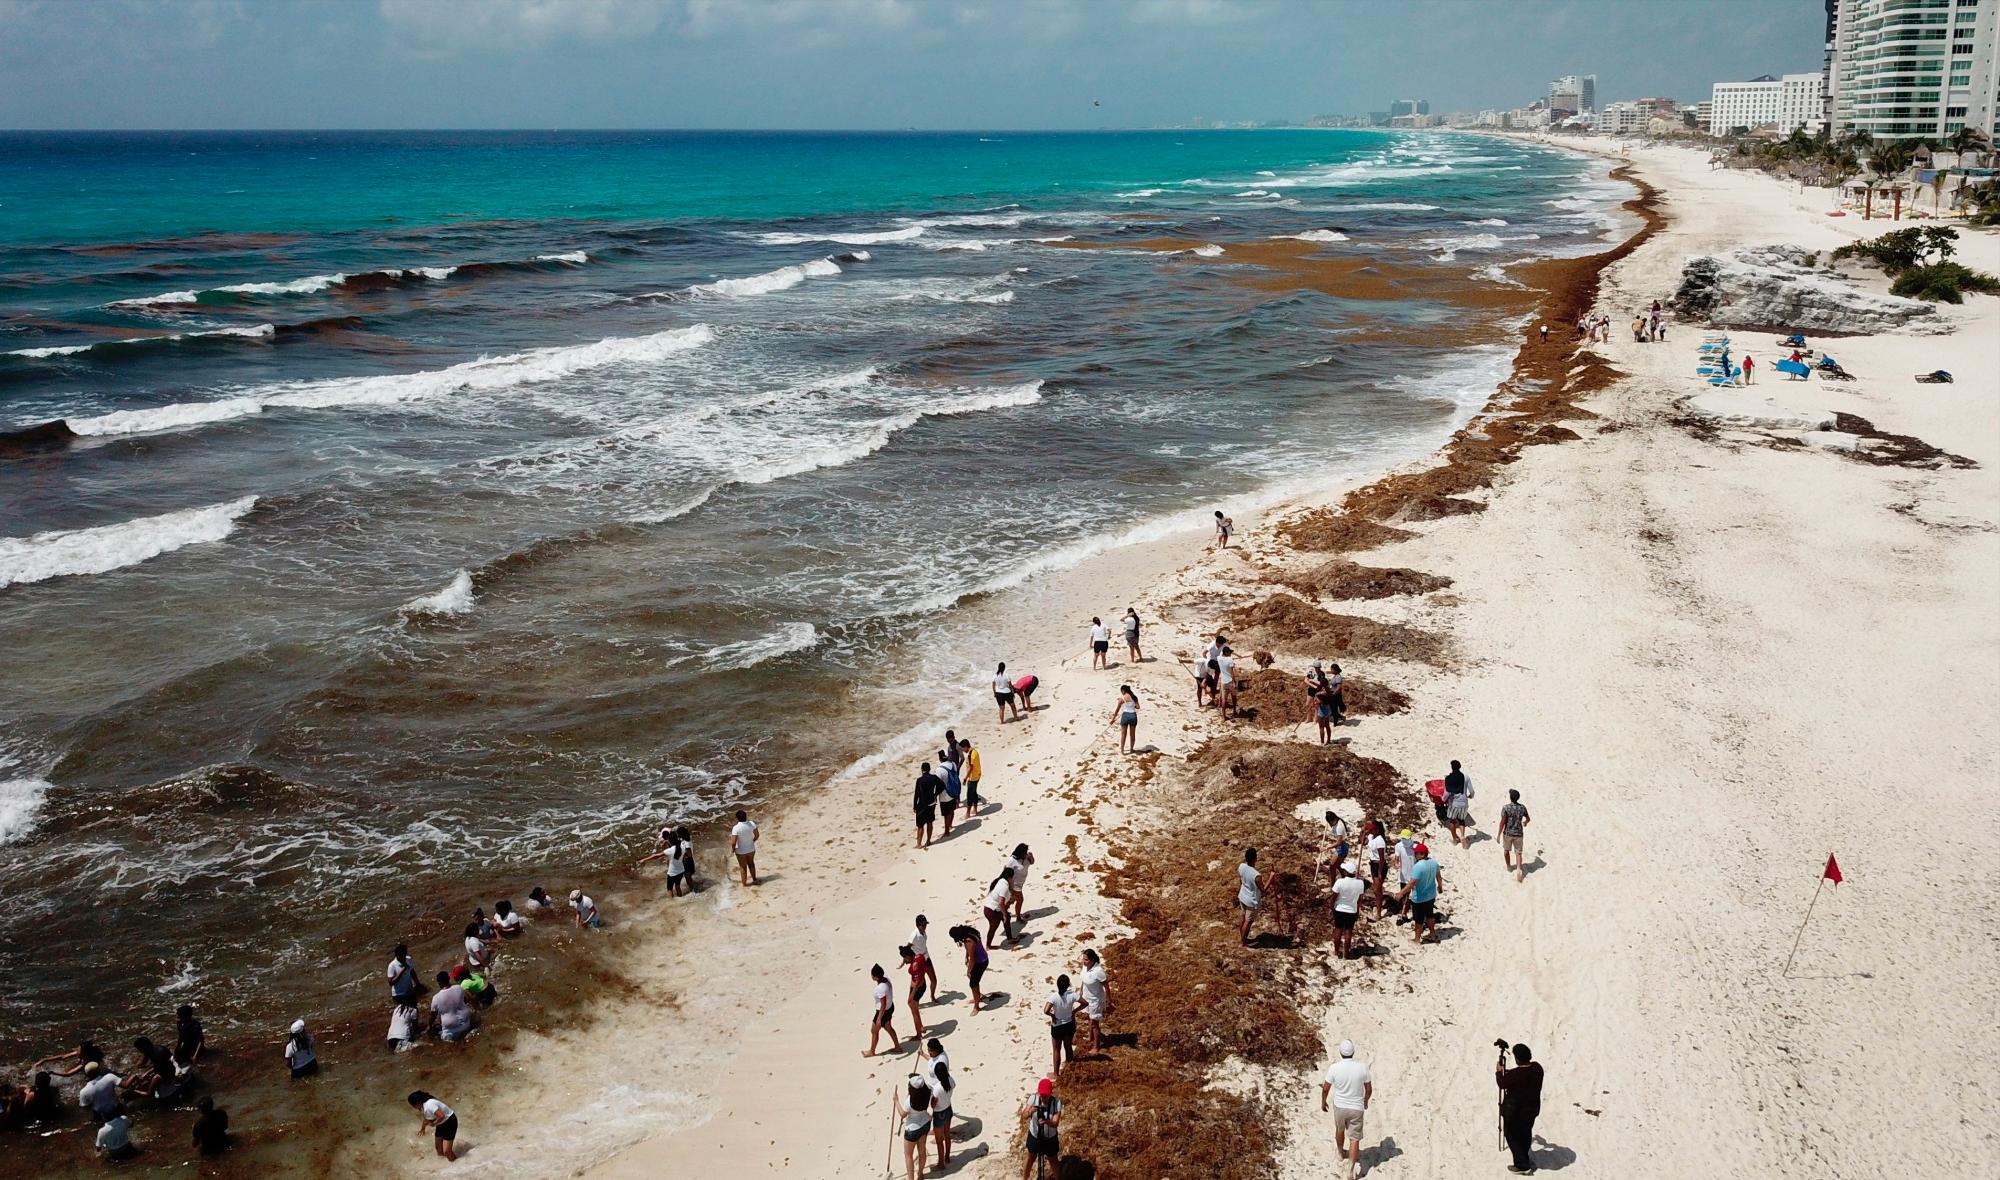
x=1943, y=282
x=1904, y=249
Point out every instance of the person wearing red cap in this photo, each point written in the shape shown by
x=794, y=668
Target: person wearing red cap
x=1421, y=892
x=1044, y=1113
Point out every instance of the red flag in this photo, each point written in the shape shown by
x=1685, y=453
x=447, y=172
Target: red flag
x=1832, y=869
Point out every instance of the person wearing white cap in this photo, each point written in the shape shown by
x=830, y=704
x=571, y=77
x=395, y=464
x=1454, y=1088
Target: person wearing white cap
x=1352, y=1088
x=586, y=909
x=299, y=1053
x=1348, y=889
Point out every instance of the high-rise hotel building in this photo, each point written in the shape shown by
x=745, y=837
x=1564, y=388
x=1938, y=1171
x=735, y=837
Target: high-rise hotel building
x=1914, y=68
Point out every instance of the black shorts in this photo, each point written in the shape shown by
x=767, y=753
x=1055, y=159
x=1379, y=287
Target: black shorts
x=1342, y=920
x=1005, y=698
x=948, y=807
x=927, y=815
x=305, y=1071
x=1424, y=912
x=880, y=1017
x=448, y=1130
x=1100, y=645
x=977, y=973
x=916, y=1135
x=1051, y=1146
x=1063, y=1034
x=1378, y=869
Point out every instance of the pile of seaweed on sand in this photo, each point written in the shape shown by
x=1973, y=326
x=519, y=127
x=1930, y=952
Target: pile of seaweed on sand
x=1285, y=622
x=1341, y=578
x=1188, y=996
x=1272, y=699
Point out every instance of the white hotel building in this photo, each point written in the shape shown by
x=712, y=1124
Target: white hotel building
x=1904, y=68
x=1786, y=104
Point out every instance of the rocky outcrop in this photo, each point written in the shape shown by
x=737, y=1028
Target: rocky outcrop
x=1773, y=288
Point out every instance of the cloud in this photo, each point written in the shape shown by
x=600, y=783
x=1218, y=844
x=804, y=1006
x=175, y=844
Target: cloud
x=443, y=27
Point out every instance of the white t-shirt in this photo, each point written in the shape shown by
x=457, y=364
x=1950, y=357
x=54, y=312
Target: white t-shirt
x=1214, y=651
x=1131, y=625
x=1347, y=894
x=1017, y=869
x=397, y=969
x=1378, y=850
x=1093, y=983
x=882, y=993
x=1248, y=894
x=1349, y=1077
x=1223, y=665
x=1338, y=830
x=1065, y=1007
x=403, y=1023
x=1001, y=684
x=475, y=950
x=1099, y=633
x=940, y=1093
x=115, y=1134
x=996, y=898
x=1406, y=857
x=920, y=942
x=585, y=907
x=100, y=1096
x=745, y=836
x=675, y=858
x=299, y=1056
x=437, y=1112
x=449, y=1004
x=511, y=920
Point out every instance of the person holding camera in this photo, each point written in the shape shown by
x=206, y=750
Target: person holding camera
x=1520, y=1103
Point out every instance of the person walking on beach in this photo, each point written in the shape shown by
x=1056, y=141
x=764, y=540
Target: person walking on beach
x=913, y=1108
x=1352, y=1088
x=1348, y=891
x=1249, y=893
x=1520, y=1105
x=916, y=993
x=976, y=959
x=971, y=772
x=1421, y=892
x=1132, y=633
x=937, y=1074
x=920, y=942
x=1096, y=998
x=440, y=1120
x=1513, y=828
x=1225, y=526
x=1018, y=865
x=1003, y=694
x=743, y=839
x=883, y=1019
x=1061, y=1009
x=995, y=907
x=1378, y=863
x=1126, y=714
x=929, y=787
x=1100, y=644
x=1044, y=1114
x=947, y=772
x=1457, y=803
x=1749, y=370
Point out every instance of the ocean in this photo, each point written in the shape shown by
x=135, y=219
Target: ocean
x=385, y=513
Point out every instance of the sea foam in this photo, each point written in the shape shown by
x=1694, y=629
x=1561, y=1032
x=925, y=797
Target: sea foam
x=1314, y=235
x=20, y=806
x=456, y=598
x=782, y=279
x=482, y=375
x=70, y=552
x=904, y=234
x=260, y=332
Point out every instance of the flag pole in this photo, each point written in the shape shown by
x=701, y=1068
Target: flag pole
x=1817, y=890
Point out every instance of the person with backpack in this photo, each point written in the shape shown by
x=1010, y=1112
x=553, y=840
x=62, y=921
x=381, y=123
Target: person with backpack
x=948, y=802
x=1061, y=1011
x=915, y=1112
x=1044, y=1113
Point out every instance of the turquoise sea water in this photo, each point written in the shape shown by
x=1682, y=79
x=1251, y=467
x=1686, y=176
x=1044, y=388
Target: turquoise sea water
x=352, y=482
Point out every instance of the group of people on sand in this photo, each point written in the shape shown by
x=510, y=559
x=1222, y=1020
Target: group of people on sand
x=1647, y=326
x=945, y=786
x=1215, y=676
x=159, y=1078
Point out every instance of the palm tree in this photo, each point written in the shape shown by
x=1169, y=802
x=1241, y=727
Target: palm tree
x=1969, y=139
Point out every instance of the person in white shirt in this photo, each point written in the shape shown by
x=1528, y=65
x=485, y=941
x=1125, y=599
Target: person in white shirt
x=586, y=909
x=743, y=841
x=448, y=1005
x=1348, y=891
x=1352, y=1088
x=1378, y=862
x=1100, y=644
x=477, y=957
x=506, y=922
x=996, y=907
x=299, y=1054
x=1224, y=526
x=406, y=1024
x=440, y=1120
x=99, y=1094
x=1131, y=622
x=1225, y=681
x=1250, y=894
x=1003, y=694
x=920, y=942
x=1096, y=998
x=114, y=1139
x=1061, y=1010
x=402, y=975
x=1017, y=868
x=883, y=1017
x=937, y=1072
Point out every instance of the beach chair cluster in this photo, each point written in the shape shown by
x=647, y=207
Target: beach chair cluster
x=1714, y=365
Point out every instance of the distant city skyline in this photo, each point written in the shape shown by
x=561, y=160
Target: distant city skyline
x=854, y=64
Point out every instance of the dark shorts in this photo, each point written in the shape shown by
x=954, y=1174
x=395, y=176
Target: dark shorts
x=1050, y=1146
x=1100, y=645
x=1342, y=920
x=941, y=1119
x=1378, y=869
x=971, y=789
x=1424, y=912
x=676, y=878
x=977, y=973
x=307, y=1070
x=448, y=1129
x=949, y=806
x=927, y=815
x=1005, y=698
x=916, y=1135
x=880, y=1017
x=1064, y=1033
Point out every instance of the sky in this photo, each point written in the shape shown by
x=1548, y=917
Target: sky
x=853, y=64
